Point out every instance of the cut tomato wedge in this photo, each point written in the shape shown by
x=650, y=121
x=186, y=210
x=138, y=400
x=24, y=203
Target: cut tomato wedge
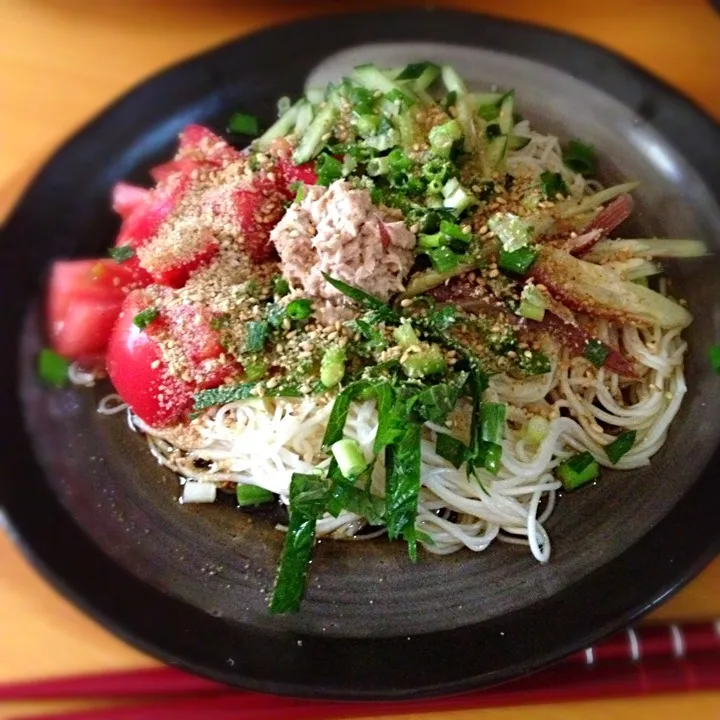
x=84, y=300
x=139, y=372
x=126, y=197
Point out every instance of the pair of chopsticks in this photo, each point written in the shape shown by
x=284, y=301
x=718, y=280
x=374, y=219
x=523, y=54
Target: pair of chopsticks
x=650, y=659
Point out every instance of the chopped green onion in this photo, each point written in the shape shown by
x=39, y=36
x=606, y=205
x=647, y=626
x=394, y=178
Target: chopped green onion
x=332, y=366
x=145, y=317
x=596, y=352
x=242, y=124
x=52, y=368
x=552, y=185
x=281, y=287
x=249, y=495
x=367, y=125
x=398, y=161
x=255, y=369
x=578, y=470
x=450, y=187
x=580, y=157
x=299, y=309
x=519, y=261
x=378, y=166
x=121, y=253
x=512, y=231
x=425, y=362
x=537, y=429
x=492, y=418
x=442, y=137
x=405, y=335
x=328, y=169
x=620, y=446
x=451, y=449
x=532, y=303
x=428, y=242
x=454, y=231
x=444, y=259
x=714, y=354
x=349, y=457
x=256, y=333
x=459, y=201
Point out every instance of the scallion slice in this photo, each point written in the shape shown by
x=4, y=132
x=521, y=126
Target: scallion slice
x=443, y=259
x=52, y=368
x=492, y=419
x=714, y=354
x=349, y=457
x=299, y=309
x=620, y=446
x=578, y=470
x=519, y=261
x=249, y=495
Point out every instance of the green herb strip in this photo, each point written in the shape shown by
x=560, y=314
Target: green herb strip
x=596, y=352
x=308, y=499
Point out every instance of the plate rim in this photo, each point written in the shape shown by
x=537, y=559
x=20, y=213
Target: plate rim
x=704, y=546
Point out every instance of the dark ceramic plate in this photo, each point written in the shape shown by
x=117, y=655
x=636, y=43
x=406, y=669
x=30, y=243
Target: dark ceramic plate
x=100, y=519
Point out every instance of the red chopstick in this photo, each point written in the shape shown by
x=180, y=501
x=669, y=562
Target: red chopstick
x=561, y=683
x=641, y=643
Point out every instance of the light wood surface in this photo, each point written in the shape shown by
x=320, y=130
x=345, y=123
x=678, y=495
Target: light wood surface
x=61, y=61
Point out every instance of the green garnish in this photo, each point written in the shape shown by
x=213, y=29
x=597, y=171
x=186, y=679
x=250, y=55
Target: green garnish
x=620, y=446
x=255, y=369
x=580, y=157
x=249, y=495
x=121, y=253
x=281, y=287
x=256, y=333
x=714, y=354
x=52, y=368
x=444, y=259
x=219, y=322
x=332, y=366
x=145, y=317
x=308, y=498
x=451, y=449
x=492, y=418
x=596, y=352
x=414, y=70
x=578, y=470
x=552, y=185
x=299, y=309
x=242, y=124
x=349, y=457
x=492, y=131
x=519, y=261
x=426, y=362
x=328, y=169
x=243, y=391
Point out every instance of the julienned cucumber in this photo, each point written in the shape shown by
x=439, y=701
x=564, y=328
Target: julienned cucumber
x=495, y=151
x=281, y=127
x=505, y=116
x=517, y=142
x=372, y=78
x=313, y=140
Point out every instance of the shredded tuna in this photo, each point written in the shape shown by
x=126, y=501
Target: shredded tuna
x=338, y=231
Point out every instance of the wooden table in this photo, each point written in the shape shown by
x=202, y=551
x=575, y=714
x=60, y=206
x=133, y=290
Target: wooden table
x=62, y=60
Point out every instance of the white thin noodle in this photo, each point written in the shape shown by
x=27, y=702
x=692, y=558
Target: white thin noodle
x=264, y=442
